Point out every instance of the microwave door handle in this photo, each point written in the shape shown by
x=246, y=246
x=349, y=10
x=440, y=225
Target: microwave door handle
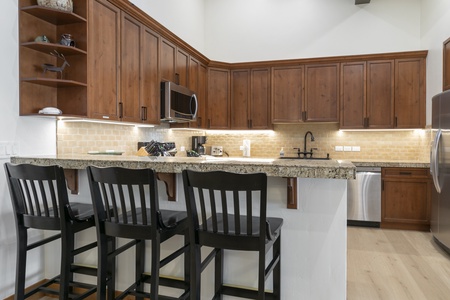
x=194, y=97
x=434, y=161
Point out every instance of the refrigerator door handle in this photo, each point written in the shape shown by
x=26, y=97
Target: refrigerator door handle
x=434, y=161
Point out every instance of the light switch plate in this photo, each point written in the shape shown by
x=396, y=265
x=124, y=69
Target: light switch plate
x=338, y=148
x=356, y=148
x=347, y=148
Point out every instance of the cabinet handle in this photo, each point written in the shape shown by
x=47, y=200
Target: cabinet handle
x=405, y=173
x=199, y=121
x=395, y=122
x=143, y=113
x=120, y=110
x=366, y=122
x=177, y=78
x=304, y=115
x=250, y=124
x=209, y=123
x=382, y=185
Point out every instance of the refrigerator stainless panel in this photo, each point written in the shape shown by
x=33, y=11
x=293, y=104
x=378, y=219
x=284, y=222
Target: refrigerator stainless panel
x=440, y=168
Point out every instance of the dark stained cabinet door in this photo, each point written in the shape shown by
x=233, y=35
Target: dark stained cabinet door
x=240, y=95
x=260, y=99
x=167, y=60
x=353, y=95
x=322, y=93
x=218, y=105
x=150, y=83
x=406, y=198
x=380, y=94
x=182, y=63
x=410, y=93
x=130, y=71
x=287, y=94
x=446, y=66
x=104, y=49
x=250, y=99
x=202, y=91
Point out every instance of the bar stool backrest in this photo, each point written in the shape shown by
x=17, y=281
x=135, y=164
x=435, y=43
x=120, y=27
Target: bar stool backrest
x=225, y=204
x=125, y=201
x=35, y=191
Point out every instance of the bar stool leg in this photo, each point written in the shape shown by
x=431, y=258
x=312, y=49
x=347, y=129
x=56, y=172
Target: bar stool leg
x=21, y=262
x=276, y=273
x=140, y=264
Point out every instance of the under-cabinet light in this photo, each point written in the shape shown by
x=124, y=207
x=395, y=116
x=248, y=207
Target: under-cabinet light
x=103, y=122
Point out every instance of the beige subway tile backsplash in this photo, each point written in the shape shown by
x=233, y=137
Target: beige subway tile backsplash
x=411, y=145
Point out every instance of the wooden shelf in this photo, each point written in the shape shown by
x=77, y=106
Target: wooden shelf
x=53, y=16
x=49, y=47
x=54, y=82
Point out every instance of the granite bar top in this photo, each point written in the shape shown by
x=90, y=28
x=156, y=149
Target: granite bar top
x=331, y=169
x=391, y=164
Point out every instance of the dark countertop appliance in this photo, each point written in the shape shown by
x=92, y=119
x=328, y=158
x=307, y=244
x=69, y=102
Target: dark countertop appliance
x=198, y=144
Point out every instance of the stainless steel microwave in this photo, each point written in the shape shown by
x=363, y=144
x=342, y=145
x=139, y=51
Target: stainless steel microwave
x=178, y=103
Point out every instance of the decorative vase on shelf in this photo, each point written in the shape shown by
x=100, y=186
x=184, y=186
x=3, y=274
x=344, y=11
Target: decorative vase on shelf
x=64, y=5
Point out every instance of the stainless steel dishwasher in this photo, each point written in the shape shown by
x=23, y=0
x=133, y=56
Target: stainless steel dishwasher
x=364, y=197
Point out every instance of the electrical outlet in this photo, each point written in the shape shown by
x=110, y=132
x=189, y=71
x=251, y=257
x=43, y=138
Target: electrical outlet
x=356, y=148
x=338, y=148
x=347, y=148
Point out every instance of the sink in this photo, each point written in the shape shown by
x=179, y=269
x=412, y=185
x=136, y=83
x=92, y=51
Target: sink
x=309, y=158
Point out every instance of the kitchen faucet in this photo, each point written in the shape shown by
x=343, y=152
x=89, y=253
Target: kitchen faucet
x=305, y=152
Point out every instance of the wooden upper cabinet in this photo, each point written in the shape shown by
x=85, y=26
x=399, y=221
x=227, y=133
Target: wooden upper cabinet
x=287, y=94
x=410, y=93
x=125, y=76
x=202, y=91
x=167, y=60
x=174, y=63
x=250, y=99
x=130, y=70
x=218, y=104
x=260, y=99
x=353, y=95
x=104, y=56
x=321, y=93
x=380, y=94
x=150, y=81
x=182, y=69
x=240, y=99
x=446, y=66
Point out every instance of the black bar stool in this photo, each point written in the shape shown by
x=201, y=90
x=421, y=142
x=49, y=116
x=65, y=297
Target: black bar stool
x=221, y=215
x=40, y=201
x=126, y=205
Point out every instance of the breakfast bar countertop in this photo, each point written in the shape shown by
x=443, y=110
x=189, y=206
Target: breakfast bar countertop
x=302, y=168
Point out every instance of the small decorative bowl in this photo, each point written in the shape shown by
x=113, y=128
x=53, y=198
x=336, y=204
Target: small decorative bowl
x=64, y=5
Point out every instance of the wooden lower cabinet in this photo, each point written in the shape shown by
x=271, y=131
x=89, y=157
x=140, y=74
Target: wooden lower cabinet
x=406, y=198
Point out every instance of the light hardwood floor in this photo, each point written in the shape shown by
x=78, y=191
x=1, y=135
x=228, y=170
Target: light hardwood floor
x=386, y=264
x=395, y=264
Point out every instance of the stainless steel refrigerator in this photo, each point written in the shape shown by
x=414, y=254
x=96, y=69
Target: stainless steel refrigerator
x=440, y=169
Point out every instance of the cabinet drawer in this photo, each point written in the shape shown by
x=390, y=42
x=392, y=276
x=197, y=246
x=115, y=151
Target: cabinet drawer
x=405, y=172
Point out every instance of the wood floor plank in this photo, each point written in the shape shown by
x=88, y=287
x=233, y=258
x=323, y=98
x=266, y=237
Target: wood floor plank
x=389, y=264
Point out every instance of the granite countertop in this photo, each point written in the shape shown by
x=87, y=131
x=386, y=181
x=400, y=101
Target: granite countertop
x=391, y=164
x=332, y=169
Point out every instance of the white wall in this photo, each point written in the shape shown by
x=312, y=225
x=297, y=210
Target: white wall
x=34, y=136
x=252, y=30
x=184, y=18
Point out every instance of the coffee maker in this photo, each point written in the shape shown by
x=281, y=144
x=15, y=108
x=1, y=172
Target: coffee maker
x=197, y=144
